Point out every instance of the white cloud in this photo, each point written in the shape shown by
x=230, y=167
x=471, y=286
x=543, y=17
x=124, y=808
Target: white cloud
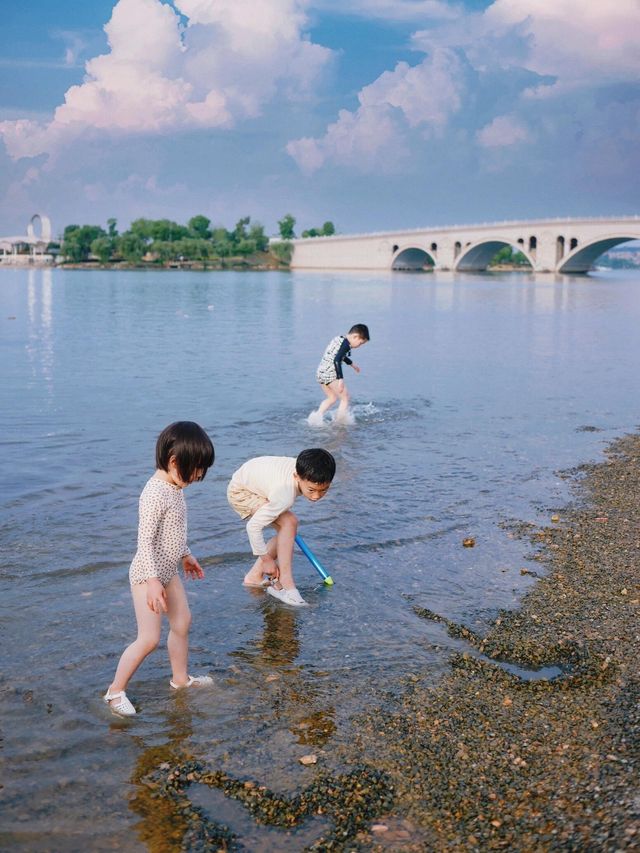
x=485, y=69
x=365, y=140
x=424, y=95
x=502, y=132
x=230, y=58
x=580, y=42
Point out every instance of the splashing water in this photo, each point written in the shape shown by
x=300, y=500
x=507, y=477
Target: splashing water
x=315, y=419
x=343, y=418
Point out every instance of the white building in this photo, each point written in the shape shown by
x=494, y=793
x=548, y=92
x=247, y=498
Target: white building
x=30, y=248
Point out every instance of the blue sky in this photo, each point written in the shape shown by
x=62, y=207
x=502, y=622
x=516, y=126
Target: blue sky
x=376, y=114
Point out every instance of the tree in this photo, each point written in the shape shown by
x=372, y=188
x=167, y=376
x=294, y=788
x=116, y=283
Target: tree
x=240, y=231
x=102, y=247
x=286, y=226
x=256, y=233
x=77, y=241
x=282, y=251
x=199, y=227
x=132, y=247
x=326, y=231
x=111, y=228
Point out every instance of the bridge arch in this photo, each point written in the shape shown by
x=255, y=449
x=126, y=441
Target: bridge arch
x=412, y=258
x=582, y=258
x=476, y=256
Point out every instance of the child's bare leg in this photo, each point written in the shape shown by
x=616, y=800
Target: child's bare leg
x=149, y=624
x=254, y=575
x=343, y=408
x=179, y=624
x=287, y=526
x=331, y=395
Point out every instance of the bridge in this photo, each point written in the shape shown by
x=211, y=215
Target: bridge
x=550, y=245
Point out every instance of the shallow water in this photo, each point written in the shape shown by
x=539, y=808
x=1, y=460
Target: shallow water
x=475, y=392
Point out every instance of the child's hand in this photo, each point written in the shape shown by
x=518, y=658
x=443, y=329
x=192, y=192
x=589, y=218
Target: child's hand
x=269, y=566
x=192, y=567
x=156, y=596
x=355, y=367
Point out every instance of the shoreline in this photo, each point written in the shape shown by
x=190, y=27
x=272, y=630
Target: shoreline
x=491, y=758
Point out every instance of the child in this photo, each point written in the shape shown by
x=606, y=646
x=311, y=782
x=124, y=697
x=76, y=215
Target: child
x=263, y=490
x=329, y=373
x=184, y=452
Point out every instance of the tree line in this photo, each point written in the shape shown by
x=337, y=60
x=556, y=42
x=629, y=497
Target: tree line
x=162, y=240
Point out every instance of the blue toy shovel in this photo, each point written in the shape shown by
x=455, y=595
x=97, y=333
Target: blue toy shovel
x=315, y=562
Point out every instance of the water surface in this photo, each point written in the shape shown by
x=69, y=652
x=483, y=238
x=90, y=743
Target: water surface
x=475, y=392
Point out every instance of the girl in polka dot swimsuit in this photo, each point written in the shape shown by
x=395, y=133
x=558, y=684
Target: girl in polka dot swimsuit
x=184, y=453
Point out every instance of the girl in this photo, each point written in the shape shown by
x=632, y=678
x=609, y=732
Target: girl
x=184, y=453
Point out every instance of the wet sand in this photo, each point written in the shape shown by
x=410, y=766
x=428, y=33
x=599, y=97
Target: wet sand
x=529, y=743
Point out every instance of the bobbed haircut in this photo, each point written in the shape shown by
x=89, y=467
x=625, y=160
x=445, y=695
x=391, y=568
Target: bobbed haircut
x=316, y=465
x=189, y=444
x=360, y=329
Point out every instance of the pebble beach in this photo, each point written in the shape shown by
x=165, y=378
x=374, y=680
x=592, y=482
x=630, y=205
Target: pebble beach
x=530, y=742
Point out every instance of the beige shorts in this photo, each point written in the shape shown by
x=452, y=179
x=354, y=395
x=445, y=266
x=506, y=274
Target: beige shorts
x=245, y=502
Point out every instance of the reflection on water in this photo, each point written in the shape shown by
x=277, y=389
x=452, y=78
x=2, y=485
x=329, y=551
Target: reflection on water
x=475, y=391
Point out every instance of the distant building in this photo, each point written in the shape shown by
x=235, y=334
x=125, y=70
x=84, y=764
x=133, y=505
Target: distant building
x=29, y=248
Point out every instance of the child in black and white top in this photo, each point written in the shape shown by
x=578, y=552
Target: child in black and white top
x=329, y=372
x=184, y=453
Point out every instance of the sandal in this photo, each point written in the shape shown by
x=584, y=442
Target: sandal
x=123, y=706
x=197, y=680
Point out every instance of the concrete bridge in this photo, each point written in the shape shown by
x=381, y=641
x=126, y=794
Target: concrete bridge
x=550, y=245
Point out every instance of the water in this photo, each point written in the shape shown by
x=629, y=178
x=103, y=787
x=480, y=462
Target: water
x=475, y=392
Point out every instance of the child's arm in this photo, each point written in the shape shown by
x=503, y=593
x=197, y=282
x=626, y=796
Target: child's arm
x=340, y=356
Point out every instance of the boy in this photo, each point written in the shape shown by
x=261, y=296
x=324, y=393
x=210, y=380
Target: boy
x=329, y=373
x=263, y=490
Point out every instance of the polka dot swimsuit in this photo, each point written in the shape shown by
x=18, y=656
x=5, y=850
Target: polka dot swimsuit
x=162, y=533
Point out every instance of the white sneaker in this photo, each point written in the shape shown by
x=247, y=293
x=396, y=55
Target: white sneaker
x=197, y=680
x=121, y=704
x=287, y=596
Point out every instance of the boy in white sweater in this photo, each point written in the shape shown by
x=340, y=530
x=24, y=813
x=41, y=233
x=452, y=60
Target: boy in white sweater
x=264, y=490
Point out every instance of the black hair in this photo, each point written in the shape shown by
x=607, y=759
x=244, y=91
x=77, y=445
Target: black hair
x=191, y=447
x=316, y=465
x=360, y=329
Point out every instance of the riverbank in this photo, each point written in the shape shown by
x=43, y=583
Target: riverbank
x=256, y=262
x=494, y=760
x=530, y=742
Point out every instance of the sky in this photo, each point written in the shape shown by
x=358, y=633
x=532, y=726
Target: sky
x=374, y=114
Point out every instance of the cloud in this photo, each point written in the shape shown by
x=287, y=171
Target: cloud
x=218, y=64
x=503, y=132
x=483, y=71
x=364, y=140
x=424, y=95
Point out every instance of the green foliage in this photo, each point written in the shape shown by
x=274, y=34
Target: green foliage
x=102, y=248
x=282, y=251
x=164, y=241
x=286, y=226
x=77, y=240
x=326, y=231
x=199, y=227
x=132, y=247
x=507, y=255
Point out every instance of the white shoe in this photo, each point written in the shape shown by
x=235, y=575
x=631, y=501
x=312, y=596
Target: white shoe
x=287, y=596
x=122, y=706
x=194, y=680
